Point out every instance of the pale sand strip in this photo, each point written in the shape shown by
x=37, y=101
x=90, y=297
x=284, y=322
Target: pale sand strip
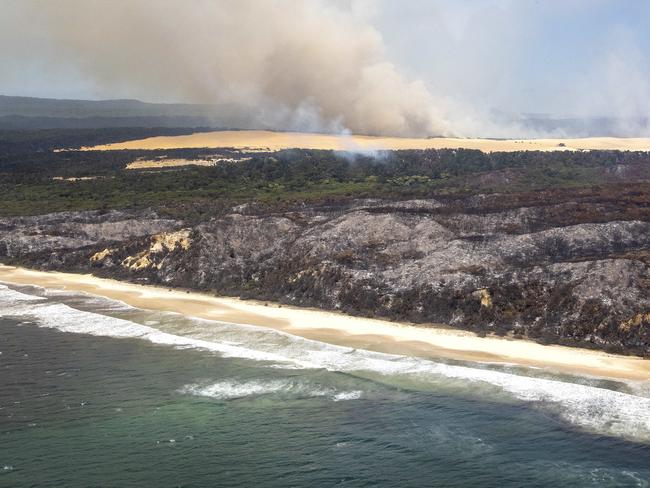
x=173, y=163
x=273, y=141
x=337, y=328
x=168, y=163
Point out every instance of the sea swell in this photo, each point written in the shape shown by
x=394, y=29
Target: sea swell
x=591, y=408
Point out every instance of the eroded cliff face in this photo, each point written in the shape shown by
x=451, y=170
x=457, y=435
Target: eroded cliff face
x=509, y=271
x=25, y=236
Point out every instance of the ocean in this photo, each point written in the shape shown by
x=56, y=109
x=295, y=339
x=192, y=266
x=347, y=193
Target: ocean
x=94, y=393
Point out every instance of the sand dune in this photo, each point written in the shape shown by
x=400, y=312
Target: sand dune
x=336, y=328
x=273, y=141
x=167, y=163
x=174, y=163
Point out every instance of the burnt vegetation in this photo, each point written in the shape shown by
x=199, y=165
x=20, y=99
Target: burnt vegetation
x=553, y=246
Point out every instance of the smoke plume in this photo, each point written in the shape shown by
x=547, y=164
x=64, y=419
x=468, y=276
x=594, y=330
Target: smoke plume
x=308, y=64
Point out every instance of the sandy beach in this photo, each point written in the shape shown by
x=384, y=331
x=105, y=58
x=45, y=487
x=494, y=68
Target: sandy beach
x=337, y=328
x=272, y=141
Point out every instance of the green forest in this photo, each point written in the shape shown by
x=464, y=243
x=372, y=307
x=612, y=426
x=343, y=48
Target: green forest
x=38, y=171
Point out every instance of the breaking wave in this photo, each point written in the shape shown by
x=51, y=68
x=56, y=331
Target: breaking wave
x=226, y=390
x=591, y=408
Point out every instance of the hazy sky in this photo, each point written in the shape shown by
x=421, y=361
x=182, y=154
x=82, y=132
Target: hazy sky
x=559, y=56
x=339, y=63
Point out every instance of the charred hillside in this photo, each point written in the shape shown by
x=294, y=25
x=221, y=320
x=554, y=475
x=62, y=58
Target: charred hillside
x=540, y=269
x=549, y=246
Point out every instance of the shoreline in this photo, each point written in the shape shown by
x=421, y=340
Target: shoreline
x=346, y=330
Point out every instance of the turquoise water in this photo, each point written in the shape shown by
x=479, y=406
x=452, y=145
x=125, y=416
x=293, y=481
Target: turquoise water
x=94, y=393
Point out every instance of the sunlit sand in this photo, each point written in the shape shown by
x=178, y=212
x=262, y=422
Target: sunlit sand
x=337, y=328
x=273, y=141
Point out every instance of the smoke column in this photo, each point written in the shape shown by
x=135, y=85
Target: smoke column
x=296, y=64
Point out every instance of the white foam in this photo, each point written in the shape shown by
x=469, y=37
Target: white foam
x=348, y=395
x=9, y=296
x=67, y=319
x=592, y=408
x=226, y=390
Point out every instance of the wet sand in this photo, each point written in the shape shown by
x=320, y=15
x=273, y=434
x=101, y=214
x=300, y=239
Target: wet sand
x=257, y=140
x=340, y=329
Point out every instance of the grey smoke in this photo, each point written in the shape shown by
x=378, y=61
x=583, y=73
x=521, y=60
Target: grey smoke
x=310, y=64
x=330, y=65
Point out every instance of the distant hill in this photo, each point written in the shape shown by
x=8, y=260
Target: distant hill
x=20, y=122
x=19, y=113
x=588, y=126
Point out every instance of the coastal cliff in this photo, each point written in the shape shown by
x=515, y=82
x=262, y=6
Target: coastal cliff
x=564, y=267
